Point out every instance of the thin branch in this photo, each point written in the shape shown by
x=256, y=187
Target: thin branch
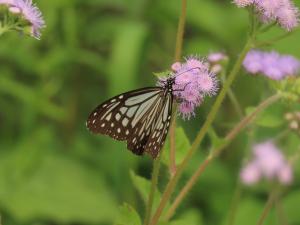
x=177, y=56
x=229, y=137
x=268, y=206
x=154, y=179
x=210, y=118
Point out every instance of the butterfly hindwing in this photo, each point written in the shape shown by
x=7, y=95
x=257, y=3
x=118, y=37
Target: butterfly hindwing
x=131, y=116
x=159, y=133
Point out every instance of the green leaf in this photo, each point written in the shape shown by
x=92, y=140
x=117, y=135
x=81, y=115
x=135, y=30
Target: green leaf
x=125, y=56
x=163, y=74
x=143, y=186
x=291, y=207
x=182, y=146
x=56, y=187
x=189, y=217
x=271, y=117
x=215, y=139
x=253, y=207
x=128, y=216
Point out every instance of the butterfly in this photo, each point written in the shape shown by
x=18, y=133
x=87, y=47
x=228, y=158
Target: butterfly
x=140, y=117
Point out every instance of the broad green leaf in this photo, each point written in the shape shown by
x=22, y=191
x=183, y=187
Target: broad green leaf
x=128, y=216
x=125, y=57
x=182, y=146
x=249, y=211
x=53, y=187
x=143, y=186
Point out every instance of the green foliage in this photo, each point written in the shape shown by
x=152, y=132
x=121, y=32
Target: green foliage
x=128, y=216
x=191, y=217
x=143, y=187
x=182, y=146
x=272, y=117
x=53, y=171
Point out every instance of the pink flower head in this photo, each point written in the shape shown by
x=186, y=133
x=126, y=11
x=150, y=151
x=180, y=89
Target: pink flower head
x=250, y=174
x=268, y=162
x=253, y=61
x=186, y=110
x=271, y=64
x=283, y=12
x=269, y=158
x=285, y=175
x=176, y=66
x=6, y=2
x=32, y=14
x=216, y=57
x=192, y=81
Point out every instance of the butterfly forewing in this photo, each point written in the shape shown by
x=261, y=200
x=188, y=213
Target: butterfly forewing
x=133, y=116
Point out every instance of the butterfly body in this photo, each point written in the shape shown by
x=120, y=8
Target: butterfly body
x=140, y=117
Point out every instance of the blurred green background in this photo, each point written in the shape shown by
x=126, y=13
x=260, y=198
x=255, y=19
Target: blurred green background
x=53, y=171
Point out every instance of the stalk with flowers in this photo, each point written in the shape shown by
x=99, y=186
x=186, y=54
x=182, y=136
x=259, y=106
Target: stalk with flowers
x=263, y=16
x=21, y=16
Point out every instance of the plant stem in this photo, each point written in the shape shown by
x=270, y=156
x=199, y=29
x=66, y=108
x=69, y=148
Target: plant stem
x=229, y=137
x=234, y=204
x=233, y=99
x=268, y=206
x=180, y=31
x=280, y=212
x=177, y=56
x=154, y=179
x=211, y=116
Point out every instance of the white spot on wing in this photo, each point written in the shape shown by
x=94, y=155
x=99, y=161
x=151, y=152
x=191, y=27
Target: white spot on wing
x=108, y=117
x=118, y=116
x=125, y=122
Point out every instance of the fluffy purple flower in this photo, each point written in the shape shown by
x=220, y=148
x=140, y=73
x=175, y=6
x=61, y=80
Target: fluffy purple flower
x=193, y=81
x=271, y=64
x=6, y=2
x=28, y=12
x=186, y=109
x=283, y=12
x=32, y=14
x=268, y=162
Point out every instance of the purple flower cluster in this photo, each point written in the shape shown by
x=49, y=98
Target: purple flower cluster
x=193, y=81
x=28, y=12
x=269, y=163
x=282, y=11
x=271, y=64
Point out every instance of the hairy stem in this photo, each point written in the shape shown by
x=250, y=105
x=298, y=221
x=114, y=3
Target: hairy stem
x=177, y=56
x=211, y=116
x=154, y=179
x=229, y=137
x=268, y=206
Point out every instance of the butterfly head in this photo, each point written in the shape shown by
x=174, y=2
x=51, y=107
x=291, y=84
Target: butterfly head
x=168, y=84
